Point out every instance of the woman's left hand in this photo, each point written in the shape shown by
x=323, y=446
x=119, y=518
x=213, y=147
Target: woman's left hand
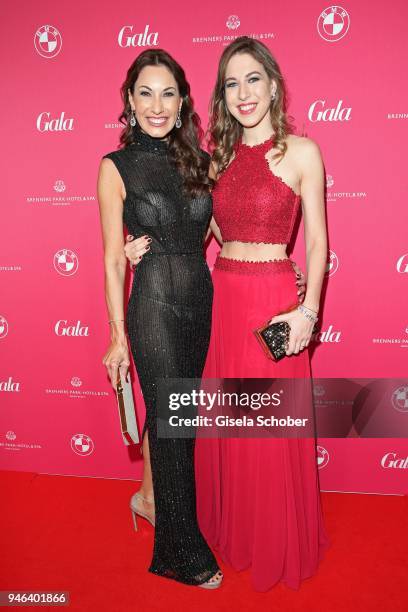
x=300, y=281
x=300, y=330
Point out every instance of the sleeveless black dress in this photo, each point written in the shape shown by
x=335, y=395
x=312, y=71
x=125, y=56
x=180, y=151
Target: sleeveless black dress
x=168, y=321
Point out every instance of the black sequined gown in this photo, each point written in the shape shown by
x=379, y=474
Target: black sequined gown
x=168, y=322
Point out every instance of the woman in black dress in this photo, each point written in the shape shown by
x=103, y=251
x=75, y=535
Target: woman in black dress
x=157, y=185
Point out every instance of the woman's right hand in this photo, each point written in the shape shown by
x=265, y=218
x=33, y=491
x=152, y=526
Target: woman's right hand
x=116, y=357
x=136, y=248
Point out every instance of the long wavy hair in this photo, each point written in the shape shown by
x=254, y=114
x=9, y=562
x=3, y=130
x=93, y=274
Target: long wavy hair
x=183, y=142
x=223, y=128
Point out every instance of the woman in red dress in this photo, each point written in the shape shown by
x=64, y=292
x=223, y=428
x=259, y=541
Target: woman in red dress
x=258, y=499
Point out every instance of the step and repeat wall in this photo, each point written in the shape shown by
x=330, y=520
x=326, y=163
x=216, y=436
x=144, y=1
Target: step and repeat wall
x=63, y=65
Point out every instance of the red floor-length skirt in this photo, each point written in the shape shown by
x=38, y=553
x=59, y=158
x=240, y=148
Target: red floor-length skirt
x=258, y=499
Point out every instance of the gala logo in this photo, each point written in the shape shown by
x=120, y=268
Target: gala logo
x=63, y=329
x=9, y=385
x=390, y=461
x=126, y=38
x=402, y=264
x=327, y=336
x=318, y=112
x=45, y=124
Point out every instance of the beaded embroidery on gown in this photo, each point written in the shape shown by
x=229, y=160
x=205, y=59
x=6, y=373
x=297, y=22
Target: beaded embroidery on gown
x=168, y=321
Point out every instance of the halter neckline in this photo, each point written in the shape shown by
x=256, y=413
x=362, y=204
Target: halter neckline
x=260, y=146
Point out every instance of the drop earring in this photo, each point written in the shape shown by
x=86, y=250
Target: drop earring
x=132, y=119
x=178, y=120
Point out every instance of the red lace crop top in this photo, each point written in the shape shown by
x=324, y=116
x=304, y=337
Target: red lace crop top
x=250, y=202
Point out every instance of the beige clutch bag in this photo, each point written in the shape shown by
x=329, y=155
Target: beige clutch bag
x=127, y=414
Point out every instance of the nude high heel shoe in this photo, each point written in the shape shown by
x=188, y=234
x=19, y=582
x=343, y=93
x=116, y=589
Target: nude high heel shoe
x=135, y=508
x=215, y=583
x=136, y=503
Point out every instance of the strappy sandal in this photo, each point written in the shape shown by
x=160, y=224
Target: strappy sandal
x=211, y=583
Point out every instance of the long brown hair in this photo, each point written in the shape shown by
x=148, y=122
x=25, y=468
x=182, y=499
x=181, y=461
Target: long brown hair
x=183, y=142
x=224, y=129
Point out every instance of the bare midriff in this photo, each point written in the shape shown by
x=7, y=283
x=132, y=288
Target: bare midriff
x=252, y=251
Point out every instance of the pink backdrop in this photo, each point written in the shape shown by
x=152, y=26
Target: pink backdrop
x=63, y=66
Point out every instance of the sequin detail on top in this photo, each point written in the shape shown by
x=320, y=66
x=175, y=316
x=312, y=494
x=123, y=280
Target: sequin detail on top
x=168, y=321
x=250, y=202
x=240, y=266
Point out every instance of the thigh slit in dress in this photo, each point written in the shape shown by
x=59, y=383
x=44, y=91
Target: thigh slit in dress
x=168, y=321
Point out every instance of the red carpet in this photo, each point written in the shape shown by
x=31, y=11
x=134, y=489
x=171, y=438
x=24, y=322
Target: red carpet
x=62, y=533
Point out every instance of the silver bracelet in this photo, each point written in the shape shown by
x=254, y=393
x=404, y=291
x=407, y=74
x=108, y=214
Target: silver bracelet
x=115, y=320
x=311, y=309
x=305, y=311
